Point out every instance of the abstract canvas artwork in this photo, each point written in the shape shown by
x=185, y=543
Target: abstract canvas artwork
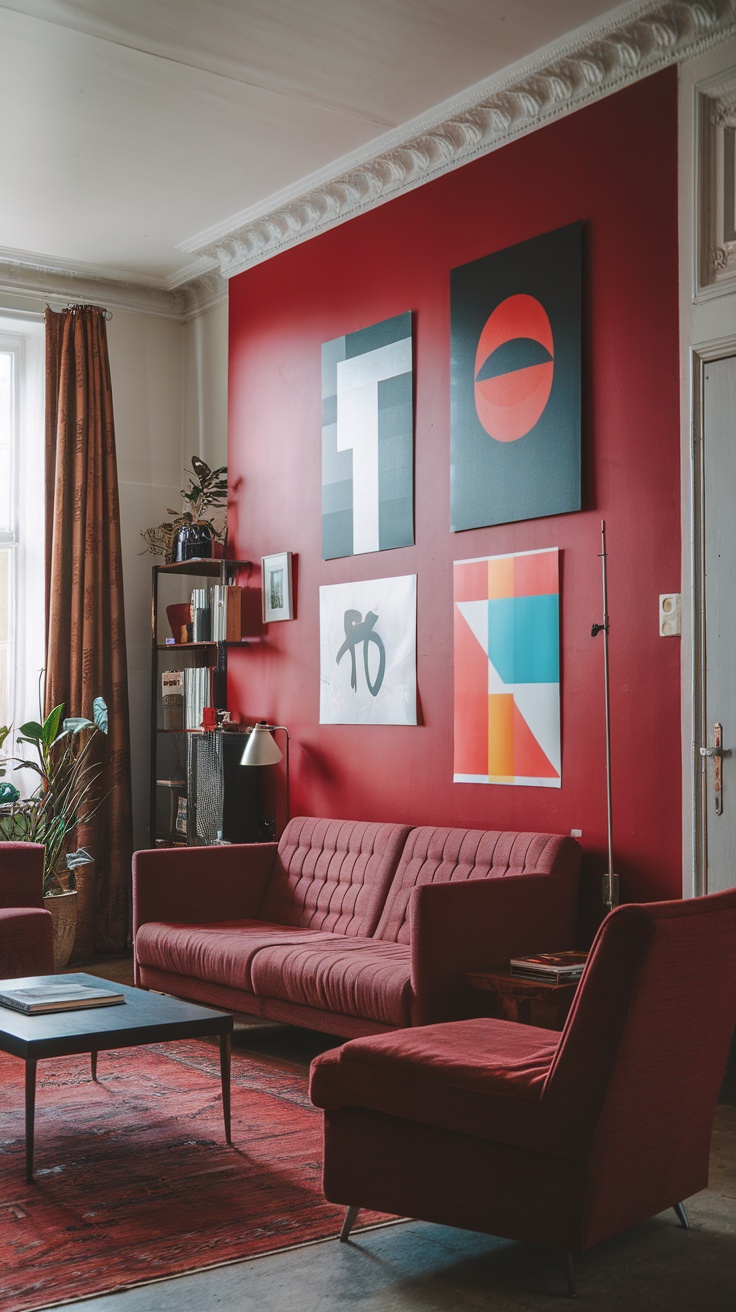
x=368, y=440
x=515, y=409
x=507, y=670
x=368, y=652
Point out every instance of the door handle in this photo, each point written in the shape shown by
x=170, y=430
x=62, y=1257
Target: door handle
x=718, y=753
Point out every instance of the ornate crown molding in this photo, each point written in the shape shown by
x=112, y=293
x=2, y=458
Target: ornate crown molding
x=633, y=42
x=609, y=55
x=48, y=281
x=716, y=215
x=45, y=280
x=201, y=294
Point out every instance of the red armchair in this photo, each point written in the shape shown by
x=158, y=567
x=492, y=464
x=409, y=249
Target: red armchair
x=547, y=1138
x=26, y=942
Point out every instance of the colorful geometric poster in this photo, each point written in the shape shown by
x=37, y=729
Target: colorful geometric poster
x=368, y=652
x=507, y=670
x=368, y=440
x=515, y=382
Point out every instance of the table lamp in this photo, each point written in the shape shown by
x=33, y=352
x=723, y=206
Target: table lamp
x=262, y=749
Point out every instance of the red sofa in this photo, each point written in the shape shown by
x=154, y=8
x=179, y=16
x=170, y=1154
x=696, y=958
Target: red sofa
x=348, y=926
x=26, y=936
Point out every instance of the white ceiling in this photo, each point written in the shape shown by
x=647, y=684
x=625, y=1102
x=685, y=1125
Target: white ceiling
x=134, y=129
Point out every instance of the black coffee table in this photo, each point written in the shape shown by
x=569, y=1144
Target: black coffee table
x=142, y=1018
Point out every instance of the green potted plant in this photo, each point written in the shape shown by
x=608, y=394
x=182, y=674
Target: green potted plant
x=67, y=795
x=192, y=533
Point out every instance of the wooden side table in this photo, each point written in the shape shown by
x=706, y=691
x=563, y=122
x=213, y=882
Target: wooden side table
x=527, y=1001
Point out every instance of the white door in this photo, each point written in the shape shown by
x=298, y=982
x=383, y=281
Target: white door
x=717, y=809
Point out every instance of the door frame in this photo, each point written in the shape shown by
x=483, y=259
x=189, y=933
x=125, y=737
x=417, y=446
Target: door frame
x=701, y=356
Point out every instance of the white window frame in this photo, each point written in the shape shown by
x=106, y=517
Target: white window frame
x=25, y=537
x=13, y=346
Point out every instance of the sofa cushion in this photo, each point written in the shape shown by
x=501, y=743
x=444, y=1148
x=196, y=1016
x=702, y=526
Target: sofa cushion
x=441, y=856
x=333, y=875
x=221, y=953
x=476, y=1077
x=346, y=976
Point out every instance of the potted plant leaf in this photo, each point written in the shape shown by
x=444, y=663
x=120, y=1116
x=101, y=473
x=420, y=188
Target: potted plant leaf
x=66, y=796
x=193, y=533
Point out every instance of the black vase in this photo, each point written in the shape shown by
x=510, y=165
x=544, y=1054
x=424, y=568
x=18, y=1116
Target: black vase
x=193, y=542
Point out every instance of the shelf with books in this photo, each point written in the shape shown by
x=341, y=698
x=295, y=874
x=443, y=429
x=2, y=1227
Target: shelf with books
x=201, y=732
x=186, y=677
x=189, y=646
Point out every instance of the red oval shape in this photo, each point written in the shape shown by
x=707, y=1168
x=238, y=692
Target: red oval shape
x=509, y=405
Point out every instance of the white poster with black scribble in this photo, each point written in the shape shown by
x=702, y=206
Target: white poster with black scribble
x=368, y=652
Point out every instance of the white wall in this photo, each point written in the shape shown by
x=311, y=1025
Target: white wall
x=205, y=386
x=146, y=365
x=169, y=383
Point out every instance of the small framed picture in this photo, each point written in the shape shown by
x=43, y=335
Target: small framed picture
x=278, y=601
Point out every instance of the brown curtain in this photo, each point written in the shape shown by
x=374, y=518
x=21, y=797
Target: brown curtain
x=85, y=655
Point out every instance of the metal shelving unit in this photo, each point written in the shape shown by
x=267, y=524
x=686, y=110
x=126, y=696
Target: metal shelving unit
x=169, y=749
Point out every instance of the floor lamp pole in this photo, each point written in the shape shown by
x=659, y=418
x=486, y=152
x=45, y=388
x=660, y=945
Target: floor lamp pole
x=610, y=881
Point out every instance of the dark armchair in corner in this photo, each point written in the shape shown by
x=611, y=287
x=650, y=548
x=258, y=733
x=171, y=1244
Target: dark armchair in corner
x=536, y=1136
x=26, y=943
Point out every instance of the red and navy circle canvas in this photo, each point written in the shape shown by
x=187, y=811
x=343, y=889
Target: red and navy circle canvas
x=515, y=382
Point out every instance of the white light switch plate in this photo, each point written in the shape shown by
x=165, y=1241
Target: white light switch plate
x=670, y=614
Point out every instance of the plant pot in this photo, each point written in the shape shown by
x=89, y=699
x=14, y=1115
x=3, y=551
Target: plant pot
x=85, y=878
x=193, y=542
x=63, y=908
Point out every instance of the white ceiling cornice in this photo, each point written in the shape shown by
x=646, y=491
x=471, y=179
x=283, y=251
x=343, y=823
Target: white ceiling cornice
x=630, y=44
x=53, y=282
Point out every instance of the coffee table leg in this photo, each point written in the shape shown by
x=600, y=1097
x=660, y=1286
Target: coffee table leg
x=30, y=1115
x=93, y=1063
x=225, y=1078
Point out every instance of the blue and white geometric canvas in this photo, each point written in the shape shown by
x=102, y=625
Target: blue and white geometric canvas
x=368, y=440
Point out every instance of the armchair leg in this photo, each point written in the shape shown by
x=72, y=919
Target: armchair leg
x=350, y=1218
x=572, y=1288
x=682, y=1216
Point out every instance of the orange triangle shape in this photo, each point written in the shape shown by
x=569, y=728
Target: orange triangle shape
x=529, y=760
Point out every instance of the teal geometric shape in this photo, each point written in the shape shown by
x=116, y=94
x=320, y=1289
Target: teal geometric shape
x=524, y=638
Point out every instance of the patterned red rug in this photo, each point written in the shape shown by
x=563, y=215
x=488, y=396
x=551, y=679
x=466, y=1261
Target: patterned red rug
x=134, y=1181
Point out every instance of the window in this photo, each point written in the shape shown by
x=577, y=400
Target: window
x=21, y=519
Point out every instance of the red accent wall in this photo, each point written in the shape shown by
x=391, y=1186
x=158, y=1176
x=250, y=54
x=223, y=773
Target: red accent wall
x=614, y=166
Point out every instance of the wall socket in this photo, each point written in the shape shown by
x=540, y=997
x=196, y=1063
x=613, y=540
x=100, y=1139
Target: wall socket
x=670, y=614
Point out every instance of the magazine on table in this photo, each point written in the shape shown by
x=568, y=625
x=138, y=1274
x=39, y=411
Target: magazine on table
x=557, y=967
x=39, y=998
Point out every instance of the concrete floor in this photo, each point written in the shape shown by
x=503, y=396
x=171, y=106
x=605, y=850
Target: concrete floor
x=415, y=1267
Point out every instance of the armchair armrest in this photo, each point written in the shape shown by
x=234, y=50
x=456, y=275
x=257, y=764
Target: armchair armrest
x=460, y=927
x=199, y=885
x=26, y=942
x=21, y=874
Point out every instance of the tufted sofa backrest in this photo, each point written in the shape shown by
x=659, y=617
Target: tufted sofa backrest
x=333, y=875
x=441, y=856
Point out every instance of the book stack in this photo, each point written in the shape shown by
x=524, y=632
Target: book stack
x=172, y=699
x=196, y=695
x=43, y=998
x=554, y=967
x=226, y=613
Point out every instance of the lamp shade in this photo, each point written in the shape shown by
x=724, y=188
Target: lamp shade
x=261, y=748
